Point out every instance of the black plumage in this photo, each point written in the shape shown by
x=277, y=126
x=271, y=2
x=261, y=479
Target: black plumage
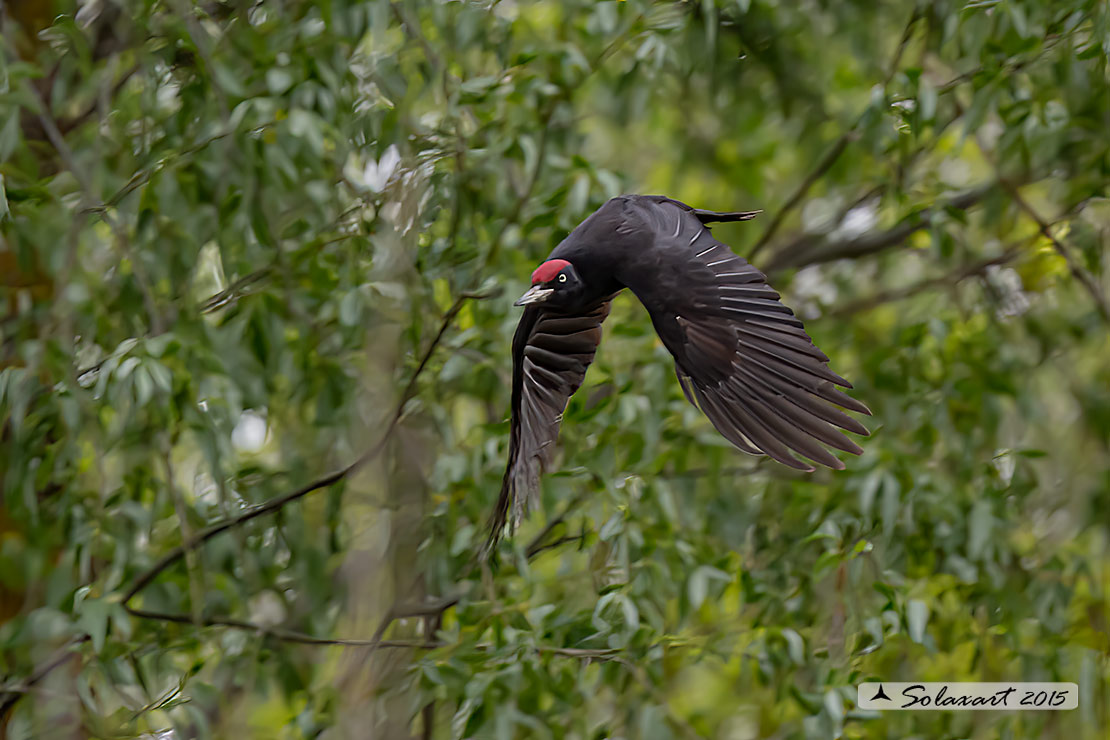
x=741, y=356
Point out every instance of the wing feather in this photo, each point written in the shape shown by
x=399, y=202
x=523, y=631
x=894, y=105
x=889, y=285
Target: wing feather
x=551, y=353
x=741, y=356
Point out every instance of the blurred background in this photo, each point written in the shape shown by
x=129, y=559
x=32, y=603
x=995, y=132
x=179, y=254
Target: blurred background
x=257, y=262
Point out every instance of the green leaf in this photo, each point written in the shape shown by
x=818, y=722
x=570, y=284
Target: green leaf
x=94, y=618
x=143, y=384
x=278, y=80
x=9, y=135
x=795, y=646
x=917, y=616
x=980, y=525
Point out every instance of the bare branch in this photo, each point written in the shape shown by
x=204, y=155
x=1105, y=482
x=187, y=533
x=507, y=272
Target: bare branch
x=427, y=609
x=69, y=124
x=1009, y=68
x=830, y=157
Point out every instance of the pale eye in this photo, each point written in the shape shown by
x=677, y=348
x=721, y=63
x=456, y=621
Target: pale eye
x=562, y=278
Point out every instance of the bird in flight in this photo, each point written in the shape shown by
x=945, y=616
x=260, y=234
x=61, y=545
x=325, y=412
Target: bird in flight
x=741, y=356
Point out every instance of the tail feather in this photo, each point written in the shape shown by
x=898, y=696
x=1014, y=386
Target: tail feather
x=708, y=217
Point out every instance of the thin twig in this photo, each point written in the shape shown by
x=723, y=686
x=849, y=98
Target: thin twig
x=1077, y=270
x=951, y=278
x=427, y=609
x=823, y=165
x=66, y=154
x=403, y=611
x=537, y=546
x=522, y=200
x=555, y=543
x=1006, y=70
x=234, y=291
x=9, y=697
x=70, y=124
x=277, y=633
x=285, y=635
x=141, y=177
x=414, y=31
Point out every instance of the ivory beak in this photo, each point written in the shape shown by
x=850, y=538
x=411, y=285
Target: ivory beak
x=535, y=294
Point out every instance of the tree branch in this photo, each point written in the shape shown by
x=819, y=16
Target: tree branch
x=961, y=273
x=413, y=31
x=301, y=638
x=276, y=633
x=825, y=163
x=830, y=157
x=810, y=250
x=9, y=697
x=275, y=504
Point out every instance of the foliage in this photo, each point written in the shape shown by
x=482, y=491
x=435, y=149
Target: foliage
x=248, y=244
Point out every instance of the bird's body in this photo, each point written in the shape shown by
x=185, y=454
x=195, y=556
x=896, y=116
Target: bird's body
x=740, y=355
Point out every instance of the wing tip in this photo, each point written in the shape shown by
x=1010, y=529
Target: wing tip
x=792, y=462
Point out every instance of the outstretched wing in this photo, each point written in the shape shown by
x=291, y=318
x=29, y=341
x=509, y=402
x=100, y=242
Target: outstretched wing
x=741, y=356
x=551, y=352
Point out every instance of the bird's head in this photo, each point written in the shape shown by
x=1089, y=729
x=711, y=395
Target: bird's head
x=554, y=284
